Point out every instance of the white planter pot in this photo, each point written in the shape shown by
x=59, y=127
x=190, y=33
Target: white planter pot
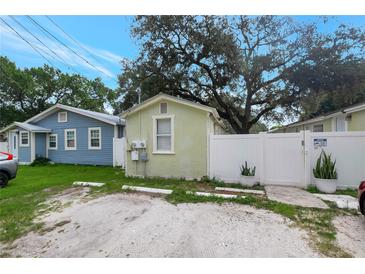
x=248, y=180
x=326, y=185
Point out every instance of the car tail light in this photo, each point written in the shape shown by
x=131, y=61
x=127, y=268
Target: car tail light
x=9, y=156
x=362, y=185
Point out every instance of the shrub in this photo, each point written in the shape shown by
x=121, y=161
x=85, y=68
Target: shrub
x=40, y=161
x=247, y=171
x=325, y=168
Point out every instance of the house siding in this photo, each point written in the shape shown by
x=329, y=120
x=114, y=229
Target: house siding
x=40, y=145
x=82, y=154
x=327, y=126
x=357, y=122
x=190, y=142
x=24, y=153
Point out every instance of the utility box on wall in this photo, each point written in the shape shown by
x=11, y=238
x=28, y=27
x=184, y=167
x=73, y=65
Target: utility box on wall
x=134, y=155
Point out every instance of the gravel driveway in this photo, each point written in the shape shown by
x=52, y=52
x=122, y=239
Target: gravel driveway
x=131, y=225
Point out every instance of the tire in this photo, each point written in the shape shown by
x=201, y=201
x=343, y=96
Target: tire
x=362, y=201
x=3, y=179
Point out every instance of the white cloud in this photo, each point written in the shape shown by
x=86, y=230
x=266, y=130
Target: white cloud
x=9, y=40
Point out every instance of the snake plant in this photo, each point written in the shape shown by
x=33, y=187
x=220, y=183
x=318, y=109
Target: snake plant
x=325, y=168
x=246, y=171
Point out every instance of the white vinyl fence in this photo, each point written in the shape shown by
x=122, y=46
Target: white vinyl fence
x=287, y=158
x=119, y=152
x=4, y=146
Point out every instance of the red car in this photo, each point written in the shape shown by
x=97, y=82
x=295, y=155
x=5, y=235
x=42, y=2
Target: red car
x=361, y=195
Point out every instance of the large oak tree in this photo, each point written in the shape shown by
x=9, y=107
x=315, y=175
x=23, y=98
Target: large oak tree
x=242, y=65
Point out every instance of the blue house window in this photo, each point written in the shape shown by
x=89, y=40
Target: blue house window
x=24, y=138
x=52, y=142
x=70, y=139
x=94, y=138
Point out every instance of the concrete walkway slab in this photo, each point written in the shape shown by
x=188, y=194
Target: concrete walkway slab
x=342, y=201
x=294, y=196
x=147, y=189
x=250, y=191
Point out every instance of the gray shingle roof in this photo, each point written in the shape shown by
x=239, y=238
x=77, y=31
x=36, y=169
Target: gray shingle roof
x=32, y=128
x=97, y=115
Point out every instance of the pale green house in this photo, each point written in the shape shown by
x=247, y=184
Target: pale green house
x=347, y=119
x=168, y=136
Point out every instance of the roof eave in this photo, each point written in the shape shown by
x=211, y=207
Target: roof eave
x=43, y=114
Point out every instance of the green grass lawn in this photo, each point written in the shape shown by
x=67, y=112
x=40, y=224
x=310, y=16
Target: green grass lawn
x=21, y=199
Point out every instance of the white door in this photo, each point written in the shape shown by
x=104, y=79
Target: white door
x=13, y=143
x=340, y=123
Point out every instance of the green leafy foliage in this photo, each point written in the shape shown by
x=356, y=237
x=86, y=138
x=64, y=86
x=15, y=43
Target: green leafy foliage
x=247, y=171
x=325, y=168
x=27, y=92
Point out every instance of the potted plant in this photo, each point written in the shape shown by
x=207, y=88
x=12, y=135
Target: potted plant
x=248, y=175
x=325, y=174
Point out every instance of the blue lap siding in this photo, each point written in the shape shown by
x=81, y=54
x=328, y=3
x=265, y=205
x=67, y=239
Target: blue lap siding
x=82, y=154
x=24, y=153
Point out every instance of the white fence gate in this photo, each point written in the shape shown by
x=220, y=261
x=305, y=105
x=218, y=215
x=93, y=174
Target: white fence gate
x=288, y=158
x=283, y=159
x=119, y=152
x=4, y=146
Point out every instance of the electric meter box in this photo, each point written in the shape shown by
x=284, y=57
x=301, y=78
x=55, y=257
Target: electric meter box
x=143, y=156
x=134, y=155
x=139, y=144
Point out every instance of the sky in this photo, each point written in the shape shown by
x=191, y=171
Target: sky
x=101, y=43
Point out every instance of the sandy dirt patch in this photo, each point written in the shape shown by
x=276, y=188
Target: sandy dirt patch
x=351, y=234
x=130, y=225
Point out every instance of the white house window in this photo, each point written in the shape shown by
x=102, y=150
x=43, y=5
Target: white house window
x=318, y=128
x=163, y=127
x=52, y=142
x=163, y=108
x=24, y=138
x=62, y=117
x=70, y=139
x=95, y=138
x=340, y=123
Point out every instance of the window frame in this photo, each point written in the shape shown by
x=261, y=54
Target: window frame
x=49, y=139
x=155, y=118
x=20, y=138
x=59, y=117
x=163, y=113
x=318, y=125
x=89, y=138
x=75, y=137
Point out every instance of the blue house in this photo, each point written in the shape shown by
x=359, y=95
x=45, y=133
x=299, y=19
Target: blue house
x=66, y=134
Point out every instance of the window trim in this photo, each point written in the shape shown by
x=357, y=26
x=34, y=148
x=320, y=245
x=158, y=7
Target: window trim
x=49, y=138
x=20, y=138
x=89, y=138
x=154, y=120
x=59, y=116
x=65, y=137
